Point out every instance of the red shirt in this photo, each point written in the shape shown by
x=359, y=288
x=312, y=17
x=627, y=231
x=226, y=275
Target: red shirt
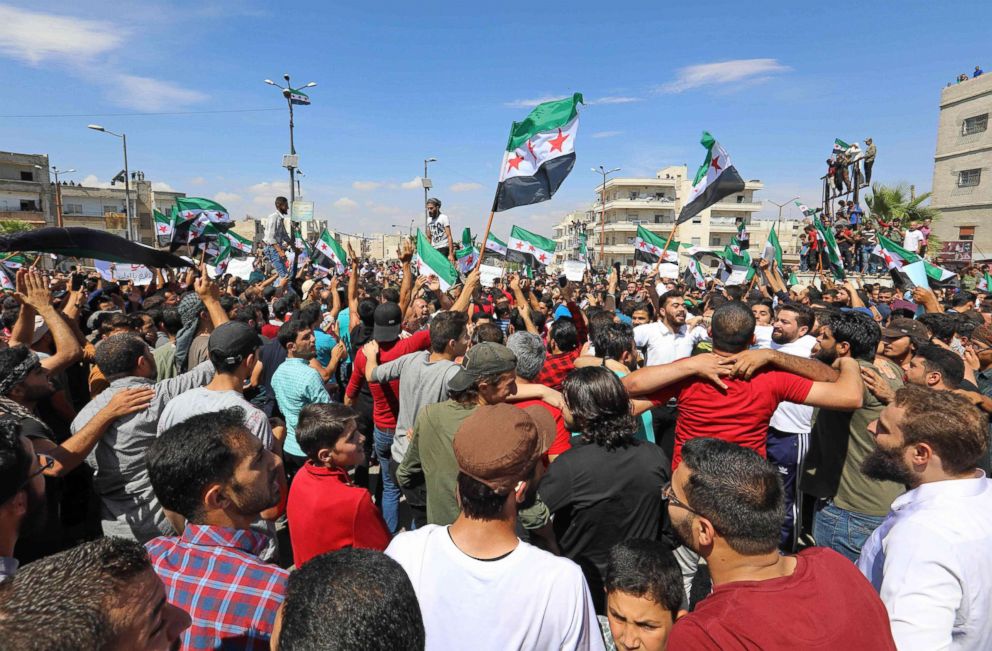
x=739, y=415
x=825, y=603
x=563, y=438
x=326, y=512
x=556, y=367
x=386, y=396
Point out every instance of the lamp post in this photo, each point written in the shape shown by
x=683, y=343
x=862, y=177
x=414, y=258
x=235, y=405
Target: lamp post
x=127, y=177
x=58, y=192
x=602, y=211
x=781, y=205
x=290, y=161
x=427, y=186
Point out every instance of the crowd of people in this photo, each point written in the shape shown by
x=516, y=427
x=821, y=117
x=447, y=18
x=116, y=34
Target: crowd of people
x=364, y=460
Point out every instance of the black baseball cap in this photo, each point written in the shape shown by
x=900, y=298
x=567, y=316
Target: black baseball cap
x=233, y=340
x=487, y=358
x=388, y=320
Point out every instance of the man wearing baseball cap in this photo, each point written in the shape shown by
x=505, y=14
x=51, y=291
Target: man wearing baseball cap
x=901, y=339
x=477, y=583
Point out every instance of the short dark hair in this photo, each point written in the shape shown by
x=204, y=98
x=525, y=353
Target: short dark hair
x=734, y=292
x=390, y=295
x=857, y=330
x=488, y=332
x=736, y=490
x=478, y=501
x=289, y=331
x=947, y=422
x=804, y=314
x=940, y=324
x=600, y=407
x=446, y=326
x=281, y=307
x=310, y=314
x=564, y=334
x=15, y=462
x=118, y=354
x=171, y=321
x=672, y=293
x=351, y=599
x=646, y=568
x=66, y=601
x=963, y=298
x=321, y=425
x=732, y=327
x=190, y=456
x=613, y=340
x=946, y=362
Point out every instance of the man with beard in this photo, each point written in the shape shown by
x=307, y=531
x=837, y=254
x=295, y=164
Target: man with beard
x=726, y=504
x=929, y=560
x=213, y=471
x=901, y=339
x=22, y=491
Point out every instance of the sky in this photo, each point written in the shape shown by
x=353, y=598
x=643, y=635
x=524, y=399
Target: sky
x=397, y=82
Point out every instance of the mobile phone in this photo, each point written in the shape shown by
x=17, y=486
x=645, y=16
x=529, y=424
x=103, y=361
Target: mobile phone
x=562, y=281
x=77, y=281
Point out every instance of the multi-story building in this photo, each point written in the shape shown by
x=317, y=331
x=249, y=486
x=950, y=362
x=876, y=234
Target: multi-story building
x=626, y=203
x=25, y=189
x=962, y=169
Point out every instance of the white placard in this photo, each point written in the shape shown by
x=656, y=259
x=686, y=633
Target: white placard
x=137, y=273
x=241, y=268
x=488, y=273
x=574, y=269
x=737, y=277
x=668, y=270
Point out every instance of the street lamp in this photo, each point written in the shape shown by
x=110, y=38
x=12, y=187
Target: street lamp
x=58, y=192
x=427, y=186
x=602, y=211
x=127, y=176
x=290, y=161
x=781, y=205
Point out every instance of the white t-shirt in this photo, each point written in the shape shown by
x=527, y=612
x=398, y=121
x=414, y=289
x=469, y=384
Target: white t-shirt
x=789, y=416
x=271, y=231
x=436, y=226
x=911, y=242
x=529, y=599
x=203, y=401
x=664, y=346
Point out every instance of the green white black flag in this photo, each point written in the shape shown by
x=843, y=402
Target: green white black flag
x=715, y=179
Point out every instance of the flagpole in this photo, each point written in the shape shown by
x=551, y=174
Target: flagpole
x=664, y=250
x=485, y=237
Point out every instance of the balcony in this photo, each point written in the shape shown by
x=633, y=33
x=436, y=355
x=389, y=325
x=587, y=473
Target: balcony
x=640, y=203
x=746, y=206
x=34, y=217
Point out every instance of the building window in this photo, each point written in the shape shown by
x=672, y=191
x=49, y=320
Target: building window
x=696, y=241
x=715, y=240
x=145, y=220
x=698, y=219
x=111, y=209
x=740, y=198
x=969, y=178
x=29, y=205
x=975, y=124
x=73, y=209
x=966, y=233
x=27, y=176
x=633, y=195
x=659, y=195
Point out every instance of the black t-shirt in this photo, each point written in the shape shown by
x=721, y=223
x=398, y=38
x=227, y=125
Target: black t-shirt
x=600, y=497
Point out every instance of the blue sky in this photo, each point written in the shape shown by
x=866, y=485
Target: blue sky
x=775, y=82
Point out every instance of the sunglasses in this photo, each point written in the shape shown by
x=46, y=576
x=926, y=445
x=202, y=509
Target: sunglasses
x=45, y=462
x=668, y=494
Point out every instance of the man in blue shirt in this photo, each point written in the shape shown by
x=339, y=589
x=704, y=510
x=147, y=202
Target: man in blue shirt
x=855, y=213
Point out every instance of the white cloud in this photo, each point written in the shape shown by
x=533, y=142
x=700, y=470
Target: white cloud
x=162, y=186
x=531, y=103
x=366, y=186
x=147, y=94
x=344, y=203
x=723, y=72
x=614, y=99
x=91, y=181
x=34, y=36
x=226, y=197
x=197, y=180
x=606, y=134
x=412, y=184
x=265, y=193
x=465, y=187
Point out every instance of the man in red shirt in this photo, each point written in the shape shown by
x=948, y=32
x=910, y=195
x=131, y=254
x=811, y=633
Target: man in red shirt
x=326, y=511
x=740, y=409
x=564, y=348
x=388, y=320
x=727, y=505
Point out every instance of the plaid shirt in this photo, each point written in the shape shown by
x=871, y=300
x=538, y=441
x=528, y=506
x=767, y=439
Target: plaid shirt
x=556, y=367
x=214, y=574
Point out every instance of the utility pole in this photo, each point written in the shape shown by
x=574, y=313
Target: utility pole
x=127, y=179
x=427, y=186
x=290, y=162
x=602, y=211
x=58, y=192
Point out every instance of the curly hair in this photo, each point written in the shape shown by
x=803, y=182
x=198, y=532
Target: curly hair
x=600, y=407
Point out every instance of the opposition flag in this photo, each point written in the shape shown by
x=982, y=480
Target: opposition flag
x=298, y=97
x=7, y=278
x=529, y=248
x=465, y=258
x=985, y=283
x=583, y=250
x=192, y=216
x=79, y=242
x=826, y=237
x=773, y=250
x=430, y=261
x=715, y=179
x=806, y=210
x=902, y=256
x=650, y=248
x=163, y=228
x=329, y=254
x=496, y=246
x=840, y=146
x=240, y=246
x=695, y=275
x=15, y=262
x=539, y=154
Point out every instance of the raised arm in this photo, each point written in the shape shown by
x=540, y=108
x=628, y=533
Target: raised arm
x=846, y=394
x=39, y=298
x=523, y=308
x=352, y=289
x=405, y=253
x=209, y=293
x=464, y=302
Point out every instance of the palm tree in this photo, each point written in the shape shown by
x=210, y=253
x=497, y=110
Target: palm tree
x=893, y=205
x=8, y=226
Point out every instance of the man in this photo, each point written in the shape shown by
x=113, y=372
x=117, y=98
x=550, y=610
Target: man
x=479, y=585
x=102, y=594
x=423, y=379
x=643, y=595
x=914, y=238
x=275, y=236
x=789, y=427
x=217, y=475
x=980, y=344
x=850, y=505
x=901, y=339
x=128, y=506
x=929, y=559
x=22, y=492
x=869, y=160
x=439, y=229
x=350, y=599
x=296, y=384
x=669, y=338
x=726, y=504
x=935, y=368
x=531, y=354
x=978, y=72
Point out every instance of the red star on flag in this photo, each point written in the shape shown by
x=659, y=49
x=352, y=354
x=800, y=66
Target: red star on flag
x=531, y=248
x=220, y=215
x=530, y=148
x=542, y=257
x=715, y=163
x=654, y=249
x=520, y=245
x=514, y=163
x=190, y=215
x=163, y=228
x=556, y=143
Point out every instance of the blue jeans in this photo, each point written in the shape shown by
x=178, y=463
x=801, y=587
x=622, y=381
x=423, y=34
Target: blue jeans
x=273, y=257
x=845, y=532
x=390, y=507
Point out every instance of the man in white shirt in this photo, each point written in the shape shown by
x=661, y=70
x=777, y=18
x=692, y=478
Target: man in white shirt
x=275, y=234
x=669, y=338
x=914, y=238
x=930, y=559
x=439, y=229
x=479, y=586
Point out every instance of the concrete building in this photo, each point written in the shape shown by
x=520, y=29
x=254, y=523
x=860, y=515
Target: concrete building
x=26, y=189
x=962, y=169
x=653, y=203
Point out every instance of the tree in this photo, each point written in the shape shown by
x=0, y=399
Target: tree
x=9, y=226
x=893, y=205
